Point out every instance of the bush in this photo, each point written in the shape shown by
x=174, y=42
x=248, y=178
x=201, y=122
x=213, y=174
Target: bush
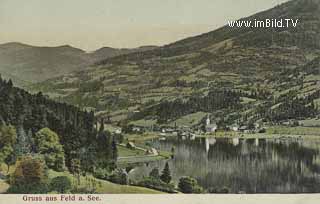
x=119, y=176
x=30, y=176
x=189, y=185
x=157, y=184
x=101, y=174
x=155, y=173
x=60, y=184
x=223, y=190
x=40, y=188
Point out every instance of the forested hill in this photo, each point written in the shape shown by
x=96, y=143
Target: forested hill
x=34, y=112
x=277, y=68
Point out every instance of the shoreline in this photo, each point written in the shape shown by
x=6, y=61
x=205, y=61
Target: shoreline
x=262, y=136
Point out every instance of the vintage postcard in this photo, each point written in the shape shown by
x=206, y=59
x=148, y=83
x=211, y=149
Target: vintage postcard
x=188, y=101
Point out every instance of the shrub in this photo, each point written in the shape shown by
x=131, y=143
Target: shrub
x=157, y=184
x=189, y=185
x=155, y=173
x=29, y=171
x=101, y=173
x=40, y=188
x=223, y=190
x=119, y=176
x=60, y=184
x=30, y=176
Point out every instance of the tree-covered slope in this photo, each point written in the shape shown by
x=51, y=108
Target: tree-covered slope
x=265, y=63
x=30, y=113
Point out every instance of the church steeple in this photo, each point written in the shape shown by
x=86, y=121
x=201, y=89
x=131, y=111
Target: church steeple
x=208, y=122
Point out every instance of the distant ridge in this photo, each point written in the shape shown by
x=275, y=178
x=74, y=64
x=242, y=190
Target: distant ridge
x=38, y=63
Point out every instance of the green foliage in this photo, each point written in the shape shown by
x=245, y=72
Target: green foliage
x=223, y=190
x=157, y=184
x=107, y=151
x=41, y=188
x=34, y=112
x=30, y=176
x=155, y=173
x=119, y=176
x=25, y=142
x=189, y=185
x=8, y=138
x=166, y=174
x=60, y=184
x=170, y=110
x=75, y=169
x=102, y=173
x=47, y=143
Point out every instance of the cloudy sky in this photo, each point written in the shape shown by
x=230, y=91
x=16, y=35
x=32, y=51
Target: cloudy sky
x=91, y=24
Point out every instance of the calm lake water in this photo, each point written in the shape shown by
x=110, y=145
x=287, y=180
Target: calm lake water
x=247, y=165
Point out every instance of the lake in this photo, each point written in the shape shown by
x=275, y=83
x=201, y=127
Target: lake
x=242, y=165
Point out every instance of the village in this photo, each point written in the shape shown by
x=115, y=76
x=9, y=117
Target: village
x=206, y=128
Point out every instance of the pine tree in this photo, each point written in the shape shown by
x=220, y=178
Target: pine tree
x=22, y=147
x=155, y=173
x=114, y=150
x=166, y=174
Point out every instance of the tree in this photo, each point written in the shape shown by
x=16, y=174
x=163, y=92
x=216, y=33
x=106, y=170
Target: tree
x=30, y=176
x=76, y=169
x=47, y=143
x=189, y=185
x=120, y=176
x=114, y=150
x=60, y=184
x=155, y=173
x=10, y=160
x=166, y=175
x=8, y=138
x=24, y=142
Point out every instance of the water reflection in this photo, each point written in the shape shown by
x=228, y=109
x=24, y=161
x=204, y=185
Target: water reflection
x=248, y=165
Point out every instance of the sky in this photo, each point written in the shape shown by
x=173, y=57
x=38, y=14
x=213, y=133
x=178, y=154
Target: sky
x=92, y=24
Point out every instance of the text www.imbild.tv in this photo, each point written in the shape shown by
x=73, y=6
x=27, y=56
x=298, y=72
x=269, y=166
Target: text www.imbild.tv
x=267, y=23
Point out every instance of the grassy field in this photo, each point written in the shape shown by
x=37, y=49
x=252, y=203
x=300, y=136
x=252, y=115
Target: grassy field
x=189, y=120
x=103, y=187
x=138, y=138
x=314, y=131
x=126, y=152
x=133, y=156
x=310, y=123
x=137, y=160
x=106, y=187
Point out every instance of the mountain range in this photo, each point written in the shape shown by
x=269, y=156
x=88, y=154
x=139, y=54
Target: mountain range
x=267, y=66
x=27, y=64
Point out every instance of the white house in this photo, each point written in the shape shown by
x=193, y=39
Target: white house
x=118, y=131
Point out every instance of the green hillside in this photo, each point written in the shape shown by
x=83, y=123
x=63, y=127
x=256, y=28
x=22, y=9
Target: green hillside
x=274, y=73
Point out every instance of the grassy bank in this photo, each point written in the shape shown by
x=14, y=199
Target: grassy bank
x=315, y=131
x=275, y=132
x=134, y=156
x=102, y=186
x=106, y=187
